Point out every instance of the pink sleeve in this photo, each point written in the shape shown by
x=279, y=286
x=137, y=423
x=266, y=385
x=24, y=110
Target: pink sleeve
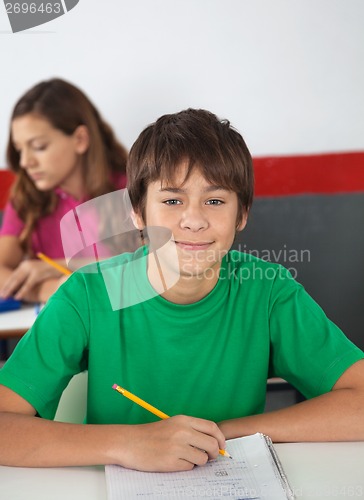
x=11, y=225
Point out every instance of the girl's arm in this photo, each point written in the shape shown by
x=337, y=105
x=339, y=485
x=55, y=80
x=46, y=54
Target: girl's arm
x=11, y=255
x=168, y=445
x=335, y=416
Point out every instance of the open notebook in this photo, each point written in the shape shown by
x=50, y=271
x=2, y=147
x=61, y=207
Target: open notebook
x=254, y=472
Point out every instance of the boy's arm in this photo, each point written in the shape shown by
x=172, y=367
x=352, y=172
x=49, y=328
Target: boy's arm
x=168, y=445
x=335, y=416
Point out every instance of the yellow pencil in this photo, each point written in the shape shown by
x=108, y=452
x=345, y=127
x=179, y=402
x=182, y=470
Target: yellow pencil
x=152, y=409
x=51, y=262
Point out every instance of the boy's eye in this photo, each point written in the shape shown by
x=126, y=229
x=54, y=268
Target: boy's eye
x=214, y=202
x=172, y=202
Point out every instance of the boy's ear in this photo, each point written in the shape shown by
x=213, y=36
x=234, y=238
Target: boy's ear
x=137, y=220
x=241, y=225
x=82, y=139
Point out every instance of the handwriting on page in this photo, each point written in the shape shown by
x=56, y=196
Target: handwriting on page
x=214, y=480
x=250, y=475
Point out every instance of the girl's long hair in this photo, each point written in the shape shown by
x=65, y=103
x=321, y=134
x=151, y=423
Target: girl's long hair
x=65, y=107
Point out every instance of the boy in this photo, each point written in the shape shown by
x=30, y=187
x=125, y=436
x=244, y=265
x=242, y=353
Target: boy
x=200, y=342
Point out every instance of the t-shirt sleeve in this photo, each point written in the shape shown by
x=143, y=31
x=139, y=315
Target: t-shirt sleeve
x=12, y=225
x=307, y=349
x=51, y=352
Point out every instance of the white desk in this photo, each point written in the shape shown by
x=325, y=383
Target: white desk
x=16, y=323
x=324, y=470
x=316, y=471
x=73, y=483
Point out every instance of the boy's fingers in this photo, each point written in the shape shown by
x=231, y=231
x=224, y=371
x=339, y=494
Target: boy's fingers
x=211, y=429
x=208, y=444
x=198, y=456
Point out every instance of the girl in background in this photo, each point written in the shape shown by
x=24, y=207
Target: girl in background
x=63, y=153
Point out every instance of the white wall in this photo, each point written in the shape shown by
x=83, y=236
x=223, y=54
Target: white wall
x=289, y=74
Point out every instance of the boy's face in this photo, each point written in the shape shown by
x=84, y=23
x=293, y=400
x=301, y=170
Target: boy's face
x=201, y=217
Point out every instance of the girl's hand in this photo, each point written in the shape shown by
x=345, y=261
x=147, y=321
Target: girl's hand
x=175, y=444
x=26, y=276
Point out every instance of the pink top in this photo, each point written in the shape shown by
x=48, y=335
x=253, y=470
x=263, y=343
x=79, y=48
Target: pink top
x=46, y=237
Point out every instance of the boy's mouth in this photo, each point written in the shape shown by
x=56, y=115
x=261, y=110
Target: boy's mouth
x=193, y=245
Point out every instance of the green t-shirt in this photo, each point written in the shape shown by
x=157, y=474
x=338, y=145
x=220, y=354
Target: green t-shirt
x=210, y=359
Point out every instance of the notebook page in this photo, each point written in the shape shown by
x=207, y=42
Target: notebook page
x=251, y=474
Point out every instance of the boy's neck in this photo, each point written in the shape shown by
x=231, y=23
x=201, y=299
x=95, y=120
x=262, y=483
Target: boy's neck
x=189, y=290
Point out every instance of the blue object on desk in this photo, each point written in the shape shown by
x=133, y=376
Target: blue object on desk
x=9, y=304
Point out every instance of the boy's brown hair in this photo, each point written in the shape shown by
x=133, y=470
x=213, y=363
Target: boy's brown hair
x=207, y=143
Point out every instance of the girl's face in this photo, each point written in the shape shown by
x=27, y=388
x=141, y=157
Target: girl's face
x=50, y=158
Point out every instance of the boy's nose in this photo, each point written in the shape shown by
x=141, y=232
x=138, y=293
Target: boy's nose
x=194, y=219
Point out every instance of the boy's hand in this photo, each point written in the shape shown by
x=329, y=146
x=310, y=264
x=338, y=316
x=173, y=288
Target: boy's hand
x=175, y=444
